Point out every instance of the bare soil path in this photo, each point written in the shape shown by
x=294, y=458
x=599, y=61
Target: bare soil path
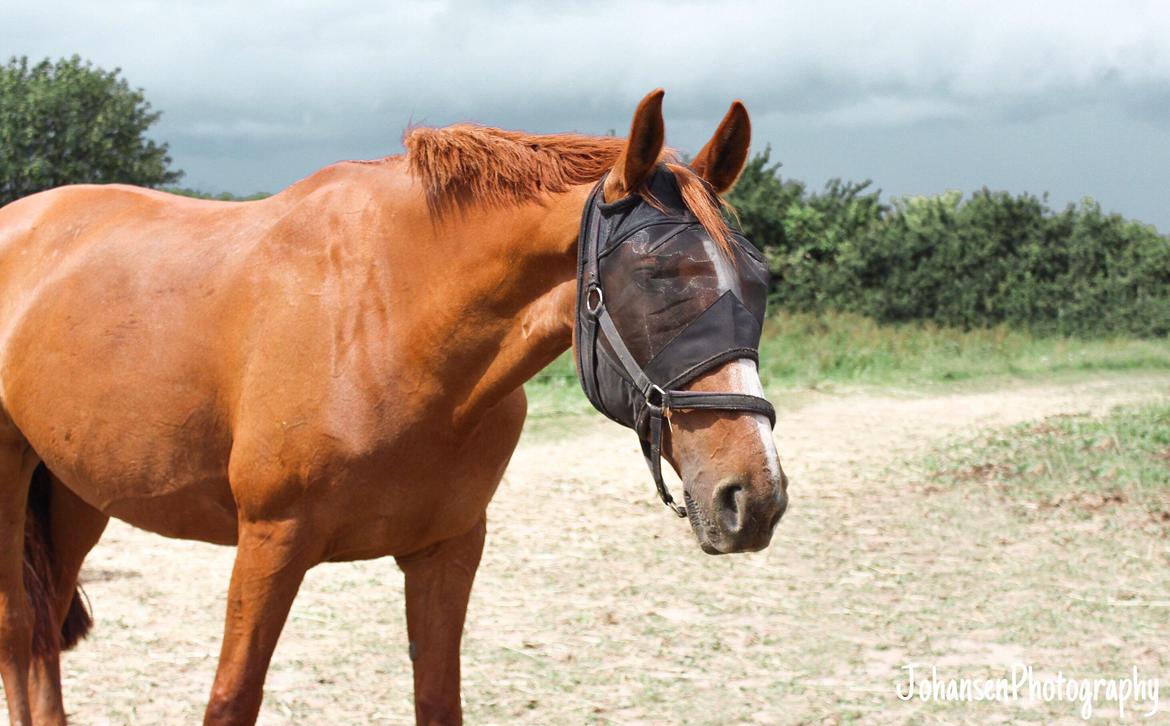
x=593, y=603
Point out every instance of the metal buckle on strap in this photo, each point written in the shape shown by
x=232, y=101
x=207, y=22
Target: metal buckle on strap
x=657, y=399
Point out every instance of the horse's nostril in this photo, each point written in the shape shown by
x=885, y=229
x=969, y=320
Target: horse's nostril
x=729, y=501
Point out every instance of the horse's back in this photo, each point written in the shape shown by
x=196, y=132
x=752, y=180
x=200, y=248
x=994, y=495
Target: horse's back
x=99, y=231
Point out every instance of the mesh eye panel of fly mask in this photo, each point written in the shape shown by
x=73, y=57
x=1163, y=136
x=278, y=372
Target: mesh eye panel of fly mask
x=659, y=304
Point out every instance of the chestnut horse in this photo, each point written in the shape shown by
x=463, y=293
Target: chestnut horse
x=333, y=373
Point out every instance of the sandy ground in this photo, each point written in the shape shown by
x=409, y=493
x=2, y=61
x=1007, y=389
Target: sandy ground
x=594, y=604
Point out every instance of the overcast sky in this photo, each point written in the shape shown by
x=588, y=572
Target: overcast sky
x=1072, y=98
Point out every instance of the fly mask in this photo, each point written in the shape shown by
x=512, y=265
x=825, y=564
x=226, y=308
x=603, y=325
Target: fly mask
x=659, y=303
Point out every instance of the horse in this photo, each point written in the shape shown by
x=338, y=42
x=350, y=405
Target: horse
x=332, y=373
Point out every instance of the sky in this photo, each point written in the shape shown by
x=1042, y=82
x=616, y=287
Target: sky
x=1066, y=98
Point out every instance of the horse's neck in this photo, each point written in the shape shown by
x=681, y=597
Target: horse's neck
x=508, y=299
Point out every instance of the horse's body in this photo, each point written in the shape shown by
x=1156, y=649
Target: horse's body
x=332, y=373
x=299, y=329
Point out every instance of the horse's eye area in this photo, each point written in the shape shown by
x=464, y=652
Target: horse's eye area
x=644, y=276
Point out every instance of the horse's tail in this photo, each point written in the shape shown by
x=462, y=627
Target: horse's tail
x=39, y=582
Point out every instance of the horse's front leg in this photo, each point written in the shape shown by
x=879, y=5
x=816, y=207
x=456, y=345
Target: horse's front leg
x=271, y=560
x=438, y=585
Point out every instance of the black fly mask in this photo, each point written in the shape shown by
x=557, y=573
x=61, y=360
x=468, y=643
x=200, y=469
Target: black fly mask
x=659, y=303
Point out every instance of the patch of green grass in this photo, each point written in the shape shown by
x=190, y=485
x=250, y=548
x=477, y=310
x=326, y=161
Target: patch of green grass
x=1082, y=462
x=803, y=351
x=800, y=350
x=555, y=399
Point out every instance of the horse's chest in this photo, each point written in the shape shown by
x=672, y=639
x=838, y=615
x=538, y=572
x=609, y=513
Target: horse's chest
x=423, y=489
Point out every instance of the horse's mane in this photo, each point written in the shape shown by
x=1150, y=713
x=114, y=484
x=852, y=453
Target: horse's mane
x=466, y=165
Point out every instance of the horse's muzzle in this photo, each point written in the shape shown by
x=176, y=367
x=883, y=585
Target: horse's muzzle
x=737, y=517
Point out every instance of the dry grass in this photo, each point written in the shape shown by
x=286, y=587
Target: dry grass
x=1081, y=463
x=594, y=605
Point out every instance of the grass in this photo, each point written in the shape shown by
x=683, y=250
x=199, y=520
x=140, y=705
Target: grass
x=806, y=351
x=802, y=351
x=1083, y=463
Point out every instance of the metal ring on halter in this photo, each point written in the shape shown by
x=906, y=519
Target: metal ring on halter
x=655, y=398
x=589, y=306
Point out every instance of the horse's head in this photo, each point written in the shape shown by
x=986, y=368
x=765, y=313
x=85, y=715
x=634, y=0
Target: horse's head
x=670, y=305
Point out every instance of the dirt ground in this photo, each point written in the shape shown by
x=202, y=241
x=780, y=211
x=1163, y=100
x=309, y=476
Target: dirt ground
x=594, y=604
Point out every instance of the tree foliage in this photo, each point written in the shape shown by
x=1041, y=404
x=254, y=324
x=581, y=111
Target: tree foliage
x=991, y=258
x=68, y=123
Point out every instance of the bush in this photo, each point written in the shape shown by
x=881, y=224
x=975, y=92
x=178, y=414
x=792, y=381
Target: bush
x=218, y=197
x=986, y=260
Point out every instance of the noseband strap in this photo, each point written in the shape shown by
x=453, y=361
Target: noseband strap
x=654, y=401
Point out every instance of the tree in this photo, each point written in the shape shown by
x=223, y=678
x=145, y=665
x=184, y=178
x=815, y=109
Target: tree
x=70, y=123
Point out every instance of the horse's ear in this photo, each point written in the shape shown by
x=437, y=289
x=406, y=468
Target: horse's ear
x=722, y=159
x=638, y=159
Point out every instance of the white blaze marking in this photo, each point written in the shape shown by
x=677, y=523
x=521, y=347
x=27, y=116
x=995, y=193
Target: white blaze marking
x=724, y=270
x=745, y=378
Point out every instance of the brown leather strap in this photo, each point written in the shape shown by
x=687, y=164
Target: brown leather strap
x=652, y=450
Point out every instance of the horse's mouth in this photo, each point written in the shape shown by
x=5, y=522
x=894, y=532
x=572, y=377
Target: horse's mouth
x=705, y=530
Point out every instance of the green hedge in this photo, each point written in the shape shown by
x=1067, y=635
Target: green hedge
x=988, y=259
